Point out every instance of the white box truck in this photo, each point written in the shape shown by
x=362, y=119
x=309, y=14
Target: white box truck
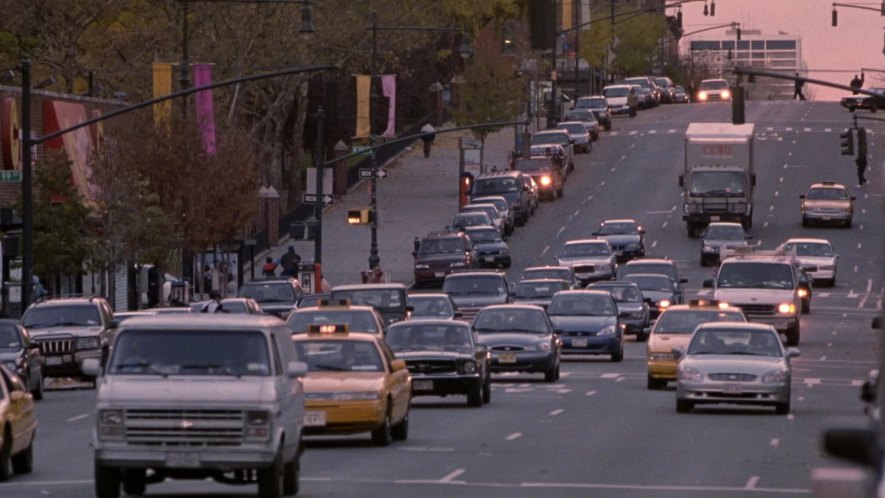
x=719, y=178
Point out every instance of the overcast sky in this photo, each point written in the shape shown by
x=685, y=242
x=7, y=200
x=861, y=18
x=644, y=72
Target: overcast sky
x=857, y=42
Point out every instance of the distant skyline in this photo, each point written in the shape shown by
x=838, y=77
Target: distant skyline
x=857, y=42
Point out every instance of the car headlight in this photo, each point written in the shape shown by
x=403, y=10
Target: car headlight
x=546, y=181
x=422, y=267
x=609, y=330
x=803, y=293
x=786, y=308
x=726, y=94
x=87, y=343
x=258, y=425
x=664, y=303
x=775, y=377
x=458, y=264
x=110, y=424
x=357, y=396
x=709, y=249
x=690, y=374
x=542, y=346
x=702, y=96
x=468, y=366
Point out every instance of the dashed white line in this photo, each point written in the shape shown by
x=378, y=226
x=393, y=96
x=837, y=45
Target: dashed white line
x=602, y=183
x=856, y=383
x=855, y=268
x=622, y=158
x=780, y=180
x=751, y=482
x=654, y=244
x=791, y=417
x=775, y=442
x=866, y=294
x=771, y=208
x=513, y=436
x=664, y=225
x=610, y=376
x=589, y=393
x=823, y=358
x=78, y=417
x=556, y=412
x=547, y=248
x=811, y=382
x=611, y=170
x=859, y=245
x=777, y=193
x=765, y=224
x=452, y=475
x=561, y=229
x=577, y=213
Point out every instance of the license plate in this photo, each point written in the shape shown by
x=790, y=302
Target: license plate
x=507, y=358
x=714, y=218
x=827, y=218
x=439, y=274
x=422, y=385
x=314, y=419
x=733, y=389
x=183, y=460
x=489, y=259
x=579, y=343
x=53, y=360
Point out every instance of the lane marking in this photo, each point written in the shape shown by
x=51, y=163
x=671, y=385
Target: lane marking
x=547, y=248
x=771, y=208
x=451, y=475
x=664, y=225
x=791, y=417
x=751, y=482
x=859, y=245
x=823, y=358
x=659, y=487
x=556, y=412
x=780, y=180
x=427, y=449
x=777, y=193
x=654, y=244
x=775, y=442
x=609, y=376
x=561, y=229
x=78, y=417
x=856, y=383
x=866, y=295
x=765, y=224
x=513, y=436
x=589, y=393
x=811, y=382
x=657, y=212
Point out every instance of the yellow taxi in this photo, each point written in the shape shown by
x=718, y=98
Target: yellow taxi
x=353, y=384
x=17, y=414
x=674, y=328
x=826, y=203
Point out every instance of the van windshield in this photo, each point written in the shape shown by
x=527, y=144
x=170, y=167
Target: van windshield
x=495, y=186
x=756, y=275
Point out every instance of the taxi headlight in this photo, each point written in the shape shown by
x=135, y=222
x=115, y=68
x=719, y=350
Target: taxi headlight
x=690, y=374
x=110, y=424
x=468, y=367
x=545, y=181
x=357, y=396
x=786, y=308
x=775, y=377
x=610, y=330
x=663, y=303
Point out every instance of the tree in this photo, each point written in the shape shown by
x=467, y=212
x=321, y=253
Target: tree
x=638, y=43
x=492, y=91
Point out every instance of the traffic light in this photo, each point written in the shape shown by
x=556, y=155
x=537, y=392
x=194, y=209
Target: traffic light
x=713, y=8
x=862, y=144
x=359, y=216
x=739, y=34
x=847, y=141
x=737, y=105
x=679, y=18
x=835, y=17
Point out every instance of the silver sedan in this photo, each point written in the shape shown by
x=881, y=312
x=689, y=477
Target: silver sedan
x=734, y=363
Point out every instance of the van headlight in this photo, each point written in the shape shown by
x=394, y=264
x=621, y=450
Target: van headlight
x=258, y=425
x=786, y=308
x=726, y=94
x=110, y=425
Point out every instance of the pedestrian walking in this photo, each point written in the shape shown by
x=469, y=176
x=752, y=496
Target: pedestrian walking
x=325, y=288
x=214, y=305
x=632, y=102
x=797, y=88
x=39, y=291
x=270, y=268
x=861, y=162
x=290, y=262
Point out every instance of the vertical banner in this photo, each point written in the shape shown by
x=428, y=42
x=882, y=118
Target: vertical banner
x=568, y=14
x=388, y=85
x=205, y=109
x=162, y=86
x=363, y=87
x=584, y=15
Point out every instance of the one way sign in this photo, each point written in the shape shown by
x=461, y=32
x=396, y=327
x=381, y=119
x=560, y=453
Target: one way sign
x=367, y=173
x=312, y=199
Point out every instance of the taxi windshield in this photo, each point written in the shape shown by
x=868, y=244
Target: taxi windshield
x=827, y=194
x=685, y=321
x=330, y=355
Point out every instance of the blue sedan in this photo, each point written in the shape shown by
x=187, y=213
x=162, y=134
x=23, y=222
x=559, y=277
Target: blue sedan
x=587, y=322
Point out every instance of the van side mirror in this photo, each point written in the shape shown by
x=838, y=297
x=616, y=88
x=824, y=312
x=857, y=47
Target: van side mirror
x=296, y=369
x=708, y=283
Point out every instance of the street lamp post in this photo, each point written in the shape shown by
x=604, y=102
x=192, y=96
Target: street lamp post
x=320, y=160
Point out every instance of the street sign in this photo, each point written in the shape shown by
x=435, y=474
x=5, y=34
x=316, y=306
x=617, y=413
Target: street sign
x=367, y=173
x=10, y=176
x=312, y=199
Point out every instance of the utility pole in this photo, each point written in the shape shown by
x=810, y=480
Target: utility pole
x=320, y=161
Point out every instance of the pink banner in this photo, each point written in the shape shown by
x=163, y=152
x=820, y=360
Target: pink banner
x=205, y=109
x=388, y=85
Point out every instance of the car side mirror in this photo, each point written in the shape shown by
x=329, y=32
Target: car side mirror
x=678, y=353
x=858, y=444
x=17, y=395
x=708, y=283
x=296, y=369
x=801, y=196
x=853, y=198
x=91, y=367
x=397, y=365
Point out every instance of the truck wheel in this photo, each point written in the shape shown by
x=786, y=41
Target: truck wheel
x=691, y=231
x=793, y=335
x=107, y=481
x=655, y=384
x=134, y=482
x=290, y=476
x=270, y=479
x=683, y=406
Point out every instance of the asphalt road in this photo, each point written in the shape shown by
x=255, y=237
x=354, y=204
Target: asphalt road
x=598, y=431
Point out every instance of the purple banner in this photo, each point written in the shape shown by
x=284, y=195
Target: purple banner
x=388, y=85
x=205, y=109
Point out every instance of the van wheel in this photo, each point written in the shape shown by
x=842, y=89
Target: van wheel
x=37, y=391
x=683, y=406
x=793, y=335
x=134, y=482
x=290, y=476
x=23, y=463
x=474, y=396
x=107, y=481
x=487, y=390
x=655, y=384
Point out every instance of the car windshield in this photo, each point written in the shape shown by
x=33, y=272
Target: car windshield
x=383, y=300
x=475, y=286
x=85, y=315
x=484, y=236
x=495, y=186
x=576, y=115
x=550, y=138
x=652, y=283
x=685, y=321
x=582, y=250
x=660, y=268
x=435, y=307
x=280, y=292
x=359, y=320
x=488, y=209
x=533, y=164
x=9, y=338
x=713, y=85
x=590, y=103
x=810, y=249
x=511, y=320
x=615, y=92
x=329, y=355
x=642, y=82
x=572, y=128
x=499, y=202
x=621, y=293
x=448, y=245
x=735, y=342
x=717, y=183
x=582, y=304
x=471, y=219
x=407, y=336
x=527, y=289
x=618, y=228
x=756, y=275
x=190, y=352
x=827, y=194
x=558, y=273
x=725, y=233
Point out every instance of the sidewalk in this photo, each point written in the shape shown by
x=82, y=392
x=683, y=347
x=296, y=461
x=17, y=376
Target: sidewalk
x=418, y=196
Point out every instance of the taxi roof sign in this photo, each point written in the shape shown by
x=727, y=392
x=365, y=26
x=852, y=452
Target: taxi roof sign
x=327, y=328
x=336, y=302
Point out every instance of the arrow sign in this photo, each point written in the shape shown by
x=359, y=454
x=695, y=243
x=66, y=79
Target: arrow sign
x=312, y=199
x=367, y=173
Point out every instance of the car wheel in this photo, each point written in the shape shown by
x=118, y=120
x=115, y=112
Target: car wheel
x=683, y=406
x=804, y=222
x=550, y=375
x=487, y=390
x=782, y=408
x=474, y=395
x=5, y=455
x=806, y=307
x=655, y=384
x=830, y=282
x=793, y=335
x=134, y=482
x=848, y=224
x=107, y=481
x=270, y=479
x=400, y=431
x=37, y=391
x=291, y=479
x=619, y=356
x=381, y=436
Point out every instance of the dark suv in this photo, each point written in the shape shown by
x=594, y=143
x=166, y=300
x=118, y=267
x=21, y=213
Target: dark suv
x=507, y=184
x=440, y=254
x=471, y=291
x=277, y=296
x=547, y=171
x=68, y=331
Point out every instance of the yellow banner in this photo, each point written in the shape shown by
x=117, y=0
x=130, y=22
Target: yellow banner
x=568, y=14
x=162, y=86
x=363, y=87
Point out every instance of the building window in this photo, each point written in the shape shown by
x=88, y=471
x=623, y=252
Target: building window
x=758, y=45
x=781, y=44
x=705, y=45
